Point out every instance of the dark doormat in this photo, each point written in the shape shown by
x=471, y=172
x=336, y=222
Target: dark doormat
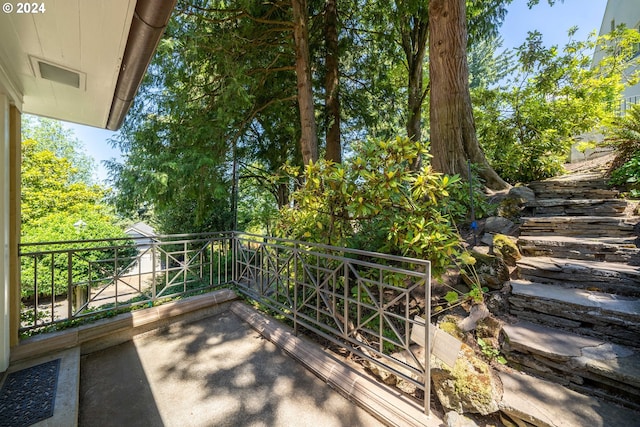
x=28, y=396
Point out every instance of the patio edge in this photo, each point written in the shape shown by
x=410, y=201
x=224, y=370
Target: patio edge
x=388, y=405
x=113, y=331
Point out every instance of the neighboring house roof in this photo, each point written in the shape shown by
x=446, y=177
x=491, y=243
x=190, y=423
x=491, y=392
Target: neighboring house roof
x=79, y=61
x=141, y=228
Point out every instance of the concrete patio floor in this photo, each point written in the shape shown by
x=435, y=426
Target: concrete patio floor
x=217, y=371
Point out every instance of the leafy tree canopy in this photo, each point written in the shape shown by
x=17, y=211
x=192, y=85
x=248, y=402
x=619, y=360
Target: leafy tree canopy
x=50, y=135
x=527, y=124
x=49, y=185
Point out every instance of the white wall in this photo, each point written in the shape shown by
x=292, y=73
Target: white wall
x=4, y=232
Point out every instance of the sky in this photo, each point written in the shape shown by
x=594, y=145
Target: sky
x=552, y=22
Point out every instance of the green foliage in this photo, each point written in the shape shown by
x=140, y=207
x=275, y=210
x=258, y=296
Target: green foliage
x=453, y=298
x=491, y=352
x=57, y=206
x=219, y=90
x=625, y=138
x=463, y=199
x=628, y=175
x=49, y=135
x=526, y=127
x=222, y=88
x=376, y=202
x=257, y=208
x=61, y=227
x=49, y=185
x=485, y=68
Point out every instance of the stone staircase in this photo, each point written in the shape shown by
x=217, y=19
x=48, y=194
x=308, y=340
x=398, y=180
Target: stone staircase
x=576, y=303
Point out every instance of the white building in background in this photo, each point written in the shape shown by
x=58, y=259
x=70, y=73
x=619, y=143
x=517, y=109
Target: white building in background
x=622, y=12
x=143, y=233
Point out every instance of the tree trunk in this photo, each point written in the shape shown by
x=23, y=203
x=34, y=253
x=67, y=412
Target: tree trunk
x=332, y=100
x=453, y=132
x=308, y=136
x=414, y=44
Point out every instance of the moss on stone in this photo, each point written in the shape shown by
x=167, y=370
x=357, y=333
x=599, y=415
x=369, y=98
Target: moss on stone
x=449, y=324
x=506, y=248
x=473, y=382
x=468, y=386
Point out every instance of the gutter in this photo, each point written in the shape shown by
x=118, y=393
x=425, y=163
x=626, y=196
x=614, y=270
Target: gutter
x=150, y=19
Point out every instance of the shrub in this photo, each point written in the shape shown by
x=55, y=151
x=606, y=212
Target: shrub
x=378, y=202
x=625, y=139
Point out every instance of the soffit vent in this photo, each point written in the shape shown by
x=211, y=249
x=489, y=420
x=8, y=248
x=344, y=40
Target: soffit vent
x=55, y=73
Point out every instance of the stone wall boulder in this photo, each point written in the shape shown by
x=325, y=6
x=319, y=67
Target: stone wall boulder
x=498, y=224
x=469, y=386
x=522, y=194
x=506, y=248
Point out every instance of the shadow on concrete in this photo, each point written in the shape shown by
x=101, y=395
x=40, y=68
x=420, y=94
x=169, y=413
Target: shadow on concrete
x=213, y=372
x=114, y=390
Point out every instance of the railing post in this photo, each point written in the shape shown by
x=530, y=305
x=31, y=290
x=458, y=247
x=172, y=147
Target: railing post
x=116, y=273
x=295, y=289
x=185, y=266
x=211, y=263
x=77, y=295
x=35, y=290
x=427, y=341
x=234, y=257
x=154, y=243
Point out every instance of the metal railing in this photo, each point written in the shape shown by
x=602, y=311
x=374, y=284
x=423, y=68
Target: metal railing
x=363, y=301
x=627, y=103
x=367, y=303
x=63, y=281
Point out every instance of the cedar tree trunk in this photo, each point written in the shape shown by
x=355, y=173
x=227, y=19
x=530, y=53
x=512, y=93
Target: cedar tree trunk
x=414, y=44
x=332, y=100
x=453, y=133
x=308, y=137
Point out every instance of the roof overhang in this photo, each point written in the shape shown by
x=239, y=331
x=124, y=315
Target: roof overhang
x=80, y=61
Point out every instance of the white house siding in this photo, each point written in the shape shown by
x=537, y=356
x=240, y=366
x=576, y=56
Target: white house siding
x=621, y=12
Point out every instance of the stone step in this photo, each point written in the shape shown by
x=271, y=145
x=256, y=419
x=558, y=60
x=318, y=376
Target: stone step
x=621, y=249
x=531, y=401
x=588, y=365
x=616, y=278
x=580, y=226
x=597, y=314
x=578, y=207
x=574, y=193
x=574, y=186
x=581, y=179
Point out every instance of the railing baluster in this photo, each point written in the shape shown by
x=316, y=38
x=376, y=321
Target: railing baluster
x=70, y=298
x=35, y=290
x=345, y=314
x=427, y=343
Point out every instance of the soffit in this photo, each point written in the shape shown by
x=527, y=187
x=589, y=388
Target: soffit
x=83, y=36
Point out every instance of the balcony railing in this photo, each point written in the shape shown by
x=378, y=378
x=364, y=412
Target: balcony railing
x=627, y=103
x=63, y=281
x=365, y=302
